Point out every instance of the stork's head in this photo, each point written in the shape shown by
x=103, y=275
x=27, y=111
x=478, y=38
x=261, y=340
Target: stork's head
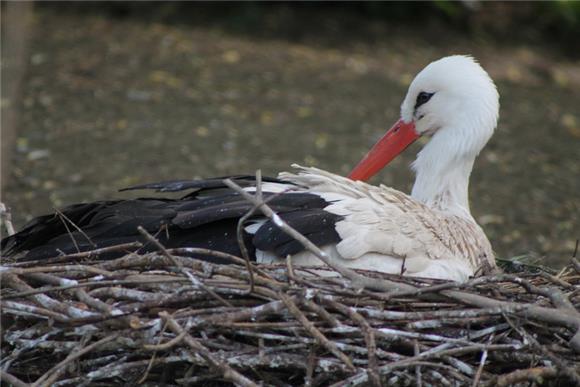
x=453, y=95
x=453, y=92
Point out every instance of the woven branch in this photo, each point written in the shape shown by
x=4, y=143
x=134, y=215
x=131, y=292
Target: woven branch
x=169, y=318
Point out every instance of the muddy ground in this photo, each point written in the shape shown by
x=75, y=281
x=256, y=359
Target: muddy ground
x=110, y=102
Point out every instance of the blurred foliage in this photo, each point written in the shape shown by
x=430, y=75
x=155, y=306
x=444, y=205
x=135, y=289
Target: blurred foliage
x=556, y=11
x=557, y=21
x=565, y=10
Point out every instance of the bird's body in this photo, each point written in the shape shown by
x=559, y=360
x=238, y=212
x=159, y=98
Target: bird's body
x=386, y=230
x=430, y=233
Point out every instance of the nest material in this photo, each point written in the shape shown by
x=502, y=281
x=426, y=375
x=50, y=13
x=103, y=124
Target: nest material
x=168, y=318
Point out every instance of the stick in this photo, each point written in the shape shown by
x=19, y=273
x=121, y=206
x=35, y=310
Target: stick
x=196, y=282
x=6, y=217
x=227, y=372
x=368, y=333
x=51, y=375
x=167, y=345
x=319, y=336
x=240, y=231
x=482, y=360
x=85, y=254
x=13, y=380
x=530, y=375
x=64, y=219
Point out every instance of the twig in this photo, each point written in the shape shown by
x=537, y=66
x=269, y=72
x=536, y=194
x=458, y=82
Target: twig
x=196, y=380
x=45, y=301
x=85, y=254
x=65, y=221
x=292, y=308
x=561, y=317
x=217, y=254
x=290, y=269
x=51, y=375
x=157, y=347
x=570, y=372
x=240, y=230
x=368, y=333
x=311, y=365
x=88, y=284
x=167, y=345
x=320, y=311
x=10, y=379
x=196, y=282
x=227, y=372
x=6, y=217
x=32, y=310
x=482, y=361
x=360, y=379
x=55, y=269
x=535, y=374
x=418, y=374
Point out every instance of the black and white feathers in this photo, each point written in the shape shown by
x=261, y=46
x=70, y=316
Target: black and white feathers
x=205, y=217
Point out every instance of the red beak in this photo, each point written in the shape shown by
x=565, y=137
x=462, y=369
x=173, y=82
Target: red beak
x=399, y=137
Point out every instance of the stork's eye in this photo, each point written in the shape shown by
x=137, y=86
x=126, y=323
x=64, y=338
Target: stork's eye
x=423, y=98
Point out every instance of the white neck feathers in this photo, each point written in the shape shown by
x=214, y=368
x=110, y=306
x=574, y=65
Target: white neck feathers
x=462, y=115
x=443, y=168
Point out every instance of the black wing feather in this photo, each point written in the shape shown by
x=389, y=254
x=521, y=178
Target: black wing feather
x=309, y=222
x=207, y=217
x=205, y=184
x=319, y=238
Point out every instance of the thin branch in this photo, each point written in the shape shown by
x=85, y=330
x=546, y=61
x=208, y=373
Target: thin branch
x=51, y=375
x=196, y=282
x=319, y=336
x=418, y=374
x=6, y=218
x=536, y=374
x=227, y=372
x=482, y=361
x=126, y=247
x=167, y=345
x=368, y=333
x=240, y=231
x=66, y=221
x=13, y=380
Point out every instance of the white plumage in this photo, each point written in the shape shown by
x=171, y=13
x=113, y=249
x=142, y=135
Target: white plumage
x=430, y=233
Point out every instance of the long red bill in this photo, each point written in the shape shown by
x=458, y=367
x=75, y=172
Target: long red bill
x=396, y=140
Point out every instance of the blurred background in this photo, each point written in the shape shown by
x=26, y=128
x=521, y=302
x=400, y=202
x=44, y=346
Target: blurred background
x=99, y=96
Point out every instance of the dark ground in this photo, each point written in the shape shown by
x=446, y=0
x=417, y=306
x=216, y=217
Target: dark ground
x=108, y=102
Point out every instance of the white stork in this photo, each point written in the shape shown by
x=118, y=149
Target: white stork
x=431, y=232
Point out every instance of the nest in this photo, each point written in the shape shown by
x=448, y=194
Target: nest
x=168, y=318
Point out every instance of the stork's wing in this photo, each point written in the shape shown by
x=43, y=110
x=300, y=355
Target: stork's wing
x=206, y=217
x=381, y=220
